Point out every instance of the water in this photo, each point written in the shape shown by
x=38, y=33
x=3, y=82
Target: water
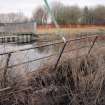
x=20, y=57
x=24, y=56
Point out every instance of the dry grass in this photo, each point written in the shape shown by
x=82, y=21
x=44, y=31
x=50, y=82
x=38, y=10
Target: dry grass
x=76, y=81
x=68, y=32
x=71, y=30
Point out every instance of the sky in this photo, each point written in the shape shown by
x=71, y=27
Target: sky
x=28, y=6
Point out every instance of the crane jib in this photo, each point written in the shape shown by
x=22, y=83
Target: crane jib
x=54, y=20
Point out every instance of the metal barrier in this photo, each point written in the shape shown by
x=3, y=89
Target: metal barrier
x=46, y=45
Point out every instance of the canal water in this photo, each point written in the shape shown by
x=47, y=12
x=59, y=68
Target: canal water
x=24, y=56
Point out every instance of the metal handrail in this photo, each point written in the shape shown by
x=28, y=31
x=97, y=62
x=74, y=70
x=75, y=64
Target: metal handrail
x=7, y=66
x=54, y=54
x=46, y=45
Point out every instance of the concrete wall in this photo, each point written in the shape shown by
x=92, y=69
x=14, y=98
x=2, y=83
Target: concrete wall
x=18, y=27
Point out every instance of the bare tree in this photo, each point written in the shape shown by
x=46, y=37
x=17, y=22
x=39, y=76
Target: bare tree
x=73, y=14
x=12, y=18
x=99, y=14
x=66, y=14
x=58, y=12
x=87, y=16
x=40, y=15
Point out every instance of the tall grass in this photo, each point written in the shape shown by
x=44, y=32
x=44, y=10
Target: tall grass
x=76, y=81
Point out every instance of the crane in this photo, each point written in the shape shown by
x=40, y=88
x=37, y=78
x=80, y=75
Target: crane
x=59, y=32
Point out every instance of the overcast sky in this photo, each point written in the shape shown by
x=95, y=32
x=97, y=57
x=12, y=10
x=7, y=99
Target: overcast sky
x=27, y=6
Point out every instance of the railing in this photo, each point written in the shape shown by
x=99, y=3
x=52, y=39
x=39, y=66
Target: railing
x=9, y=54
x=6, y=37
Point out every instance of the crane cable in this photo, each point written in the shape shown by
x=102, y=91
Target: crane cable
x=54, y=21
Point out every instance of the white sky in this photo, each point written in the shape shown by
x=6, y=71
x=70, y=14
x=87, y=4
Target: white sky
x=27, y=6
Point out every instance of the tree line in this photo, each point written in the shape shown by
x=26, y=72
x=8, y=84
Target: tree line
x=63, y=14
x=71, y=14
x=13, y=18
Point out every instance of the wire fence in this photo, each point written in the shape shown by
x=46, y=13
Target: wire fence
x=47, y=45
x=55, y=43
x=92, y=38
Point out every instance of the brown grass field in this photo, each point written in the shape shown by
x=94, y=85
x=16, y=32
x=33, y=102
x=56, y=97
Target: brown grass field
x=71, y=30
x=68, y=32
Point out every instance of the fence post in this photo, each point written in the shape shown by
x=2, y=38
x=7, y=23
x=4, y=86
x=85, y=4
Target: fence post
x=5, y=71
x=92, y=45
x=59, y=57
